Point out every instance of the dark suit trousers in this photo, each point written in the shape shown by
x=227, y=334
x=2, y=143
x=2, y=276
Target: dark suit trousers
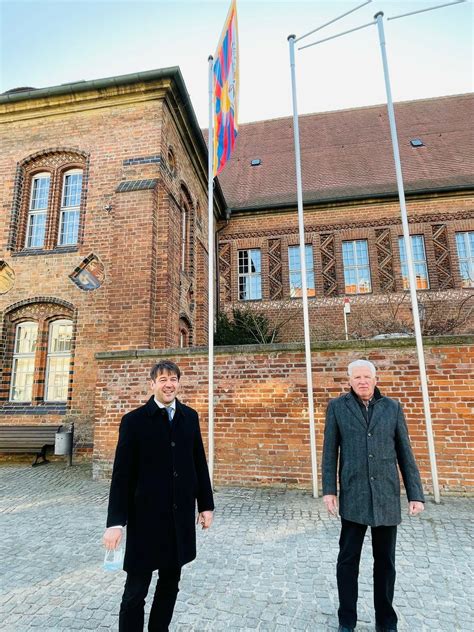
x=132, y=608
x=383, y=549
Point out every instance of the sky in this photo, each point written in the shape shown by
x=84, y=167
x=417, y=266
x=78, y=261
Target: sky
x=46, y=43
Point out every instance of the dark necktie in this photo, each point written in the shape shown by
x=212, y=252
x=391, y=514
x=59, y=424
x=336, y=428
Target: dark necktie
x=169, y=410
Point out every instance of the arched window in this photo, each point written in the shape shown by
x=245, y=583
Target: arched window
x=49, y=200
x=23, y=365
x=38, y=354
x=38, y=210
x=58, y=361
x=70, y=207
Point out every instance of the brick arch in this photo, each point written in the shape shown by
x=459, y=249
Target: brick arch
x=40, y=299
x=183, y=188
x=53, y=150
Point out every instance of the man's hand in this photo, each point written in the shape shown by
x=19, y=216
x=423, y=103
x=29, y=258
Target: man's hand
x=205, y=519
x=415, y=507
x=331, y=504
x=112, y=538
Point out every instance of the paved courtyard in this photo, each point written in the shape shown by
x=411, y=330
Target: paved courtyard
x=267, y=564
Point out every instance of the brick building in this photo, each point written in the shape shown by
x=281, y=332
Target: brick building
x=352, y=219
x=103, y=235
x=103, y=232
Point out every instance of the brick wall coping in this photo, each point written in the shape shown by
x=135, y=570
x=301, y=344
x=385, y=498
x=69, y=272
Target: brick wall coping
x=429, y=341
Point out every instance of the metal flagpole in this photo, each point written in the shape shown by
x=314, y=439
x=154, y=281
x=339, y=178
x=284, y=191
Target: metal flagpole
x=411, y=272
x=307, y=343
x=210, y=229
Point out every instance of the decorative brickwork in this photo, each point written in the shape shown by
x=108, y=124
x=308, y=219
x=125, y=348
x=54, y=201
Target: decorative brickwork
x=328, y=258
x=274, y=269
x=349, y=224
x=225, y=276
x=442, y=258
x=383, y=244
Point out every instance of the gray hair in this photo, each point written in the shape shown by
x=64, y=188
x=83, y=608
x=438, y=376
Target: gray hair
x=364, y=363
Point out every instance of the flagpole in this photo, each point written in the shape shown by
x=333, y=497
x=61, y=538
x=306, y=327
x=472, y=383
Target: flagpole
x=210, y=230
x=411, y=271
x=307, y=342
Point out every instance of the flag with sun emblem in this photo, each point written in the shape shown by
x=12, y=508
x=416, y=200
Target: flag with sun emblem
x=226, y=84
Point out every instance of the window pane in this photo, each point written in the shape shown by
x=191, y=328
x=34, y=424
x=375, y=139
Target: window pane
x=243, y=288
x=296, y=280
x=355, y=255
x=72, y=189
x=69, y=227
x=23, y=365
x=40, y=192
x=364, y=284
x=36, y=230
x=60, y=337
x=26, y=335
x=350, y=281
x=58, y=379
x=22, y=379
x=250, y=280
x=419, y=262
x=465, y=248
x=59, y=360
x=243, y=261
x=255, y=260
x=348, y=253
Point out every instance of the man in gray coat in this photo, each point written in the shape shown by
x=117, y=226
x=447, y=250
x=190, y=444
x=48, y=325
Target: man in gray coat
x=366, y=432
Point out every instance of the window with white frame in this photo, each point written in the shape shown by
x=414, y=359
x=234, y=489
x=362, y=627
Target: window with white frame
x=250, y=275
x=419, y=262
x=70, y=208
x=38, y=210
x=294, y=265
x=355, y=257
x=58, y=361
x=23, y=366
x=465, y=248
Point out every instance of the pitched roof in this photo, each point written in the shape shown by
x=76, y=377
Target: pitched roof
x=347, y=154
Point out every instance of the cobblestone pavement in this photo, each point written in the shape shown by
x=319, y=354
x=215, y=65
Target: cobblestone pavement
x=267, y=564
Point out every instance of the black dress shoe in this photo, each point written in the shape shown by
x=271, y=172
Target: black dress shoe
x=380, y=628
x=344, y=628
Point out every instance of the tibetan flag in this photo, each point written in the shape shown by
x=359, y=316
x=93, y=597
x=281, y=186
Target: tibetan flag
x=226, y=85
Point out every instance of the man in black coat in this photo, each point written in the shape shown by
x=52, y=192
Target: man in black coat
x=366, y=432
x=159, y=473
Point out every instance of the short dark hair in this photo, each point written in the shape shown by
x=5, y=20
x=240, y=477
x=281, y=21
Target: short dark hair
x=165, y=366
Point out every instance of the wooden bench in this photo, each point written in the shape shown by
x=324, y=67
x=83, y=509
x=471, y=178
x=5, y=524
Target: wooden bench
x=35, y=439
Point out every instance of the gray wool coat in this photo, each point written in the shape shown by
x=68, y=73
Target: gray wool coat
x=368, y=455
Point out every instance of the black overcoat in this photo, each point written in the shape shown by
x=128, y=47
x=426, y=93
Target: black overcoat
x=159, y=473
x=368, y=455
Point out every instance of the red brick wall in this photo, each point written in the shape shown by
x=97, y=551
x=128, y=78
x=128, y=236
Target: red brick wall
x=261, y=420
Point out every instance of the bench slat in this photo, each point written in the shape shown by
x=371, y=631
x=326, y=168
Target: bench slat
x=27, y=438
